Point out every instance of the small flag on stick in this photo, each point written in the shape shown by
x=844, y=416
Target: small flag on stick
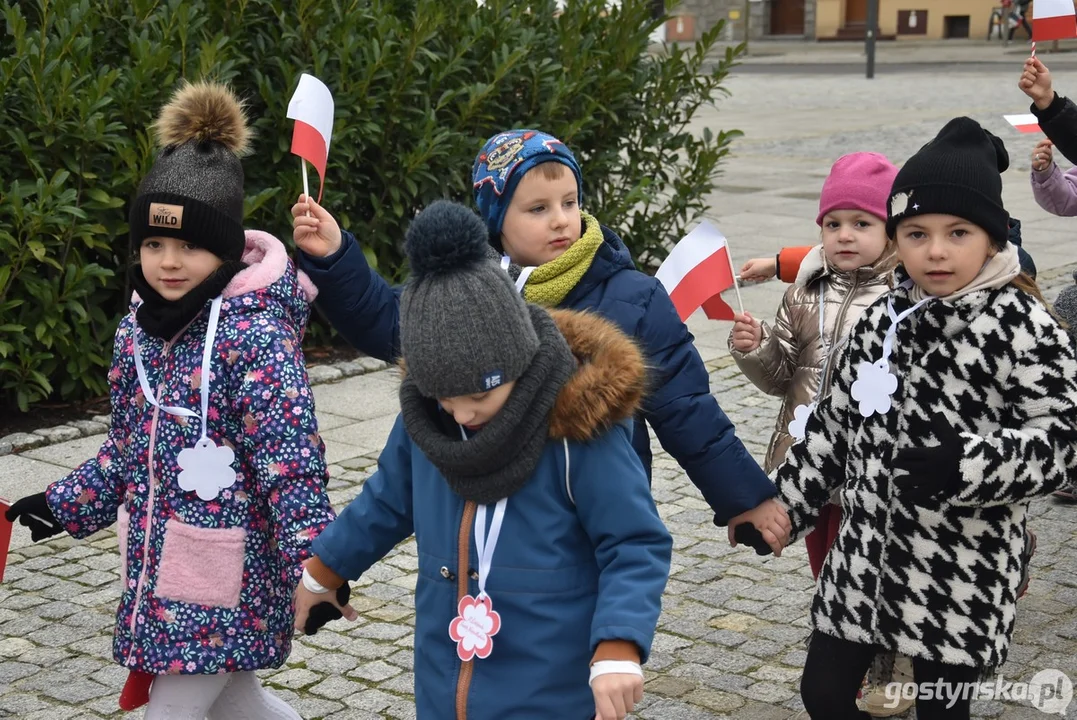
x=312, y=108
x=1027, y=123
x=697, y=271
x=1053, y=20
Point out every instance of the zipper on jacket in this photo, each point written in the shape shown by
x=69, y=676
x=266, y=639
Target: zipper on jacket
x=463, y=684
x=835, y=335
x=149, y=504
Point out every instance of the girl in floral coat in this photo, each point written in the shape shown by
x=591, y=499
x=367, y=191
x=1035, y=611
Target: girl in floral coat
x=213, y=466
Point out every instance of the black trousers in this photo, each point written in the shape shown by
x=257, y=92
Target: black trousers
x=835, y=669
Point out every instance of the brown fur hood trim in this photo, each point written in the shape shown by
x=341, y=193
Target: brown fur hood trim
x=609, y=381
x=608, y=385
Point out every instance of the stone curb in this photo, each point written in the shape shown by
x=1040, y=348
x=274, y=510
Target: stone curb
x=318, y=374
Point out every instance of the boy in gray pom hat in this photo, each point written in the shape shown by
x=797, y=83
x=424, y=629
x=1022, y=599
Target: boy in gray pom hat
x=518, y=416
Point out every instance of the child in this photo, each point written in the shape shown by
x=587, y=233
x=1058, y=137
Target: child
x=213, y=465
x=836, y=282
x=509, y=412
x=528, y=187
x=1055, y=191
x=953, y=406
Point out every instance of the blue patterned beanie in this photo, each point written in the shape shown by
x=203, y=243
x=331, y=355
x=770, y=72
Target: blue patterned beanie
x=503, y=160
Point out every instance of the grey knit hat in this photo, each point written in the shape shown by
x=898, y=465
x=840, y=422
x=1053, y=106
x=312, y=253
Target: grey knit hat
x=463, y=327
x=194, y=191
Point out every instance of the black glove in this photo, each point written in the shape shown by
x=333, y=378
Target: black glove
x=326, y=611
x=933, y=472
x=33, y=512
x=747, y=534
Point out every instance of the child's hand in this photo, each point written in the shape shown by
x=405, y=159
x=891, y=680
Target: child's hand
x=304, y=600
x=759, y=269
x=317, y=235
x=1036, y=83
x=770, y=519
x=33, y=512
x=747, y=333
x=1043, y=155
x=326, y=612
x=616, y=695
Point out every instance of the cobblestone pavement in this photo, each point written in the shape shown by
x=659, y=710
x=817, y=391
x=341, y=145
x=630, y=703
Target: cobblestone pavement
x=731, y=638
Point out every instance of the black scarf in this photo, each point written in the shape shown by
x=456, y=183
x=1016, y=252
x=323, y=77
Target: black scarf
x=499, y=459
x=163, y=318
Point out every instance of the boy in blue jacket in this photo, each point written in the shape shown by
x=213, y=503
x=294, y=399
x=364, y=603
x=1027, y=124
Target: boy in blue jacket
x=542, y=558
x=528, y=188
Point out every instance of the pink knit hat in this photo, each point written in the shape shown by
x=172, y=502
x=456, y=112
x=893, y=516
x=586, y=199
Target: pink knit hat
x=858, y=181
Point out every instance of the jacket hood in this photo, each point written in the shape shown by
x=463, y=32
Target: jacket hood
x=608, y=384
x=270, y=283
x=815, y=266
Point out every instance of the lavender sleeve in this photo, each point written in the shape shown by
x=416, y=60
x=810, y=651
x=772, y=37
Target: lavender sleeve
x=1055, y=191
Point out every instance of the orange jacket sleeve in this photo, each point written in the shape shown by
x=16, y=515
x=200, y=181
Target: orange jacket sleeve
x=788, y=262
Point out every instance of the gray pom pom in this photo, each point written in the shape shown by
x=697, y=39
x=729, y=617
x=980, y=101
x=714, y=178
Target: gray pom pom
x=444, y=237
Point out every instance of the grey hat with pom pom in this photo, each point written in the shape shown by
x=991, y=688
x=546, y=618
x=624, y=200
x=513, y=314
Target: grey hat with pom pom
x=194, y=191
x=464, y=329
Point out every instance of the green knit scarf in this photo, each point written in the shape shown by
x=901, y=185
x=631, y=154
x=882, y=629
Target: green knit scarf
x=551, y=282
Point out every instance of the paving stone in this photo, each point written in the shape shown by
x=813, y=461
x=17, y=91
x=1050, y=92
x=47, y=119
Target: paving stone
x=296, y=678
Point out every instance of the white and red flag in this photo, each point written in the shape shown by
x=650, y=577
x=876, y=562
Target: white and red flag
x=1053, y=20
x=697, y=271
x=1027, y=123
x=312, y=108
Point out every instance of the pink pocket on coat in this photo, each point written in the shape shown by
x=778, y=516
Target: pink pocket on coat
x=201, y=566
x=123, y=526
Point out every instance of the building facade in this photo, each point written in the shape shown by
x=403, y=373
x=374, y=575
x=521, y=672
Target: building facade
x=833, y=19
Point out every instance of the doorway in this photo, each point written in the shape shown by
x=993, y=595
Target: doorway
x=856, y=12
x=787, y=17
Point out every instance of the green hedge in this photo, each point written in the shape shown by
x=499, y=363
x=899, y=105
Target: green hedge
x=419, y=84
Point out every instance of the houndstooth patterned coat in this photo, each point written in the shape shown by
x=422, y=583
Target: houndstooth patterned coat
x=938, y=582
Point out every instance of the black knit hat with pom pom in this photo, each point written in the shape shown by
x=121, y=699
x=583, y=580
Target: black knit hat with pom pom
x=958, y=173
x=194, y=191
x=464, y=329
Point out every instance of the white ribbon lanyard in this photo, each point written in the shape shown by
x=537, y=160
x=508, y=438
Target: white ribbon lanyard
x=205, y=468
x=486, y=543
x=207, y=353
x=476, y=621
x=525, y=273
x=875, y=385
x=801, y=412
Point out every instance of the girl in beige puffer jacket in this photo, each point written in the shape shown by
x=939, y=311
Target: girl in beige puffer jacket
x=837, y=281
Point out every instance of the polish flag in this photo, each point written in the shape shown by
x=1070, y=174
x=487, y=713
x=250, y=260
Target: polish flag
x=5, y=535
x=1053, y=20
x=697, y=271
x=1027, y=123
x=312, y=109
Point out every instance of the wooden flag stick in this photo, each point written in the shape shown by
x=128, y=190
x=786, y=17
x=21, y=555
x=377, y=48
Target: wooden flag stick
x=306, y=186
x=733, y=270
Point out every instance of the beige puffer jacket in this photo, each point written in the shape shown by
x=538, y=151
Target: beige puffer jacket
x=789, y=360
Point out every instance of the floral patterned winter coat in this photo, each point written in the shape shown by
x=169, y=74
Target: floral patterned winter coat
x=207, y=585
